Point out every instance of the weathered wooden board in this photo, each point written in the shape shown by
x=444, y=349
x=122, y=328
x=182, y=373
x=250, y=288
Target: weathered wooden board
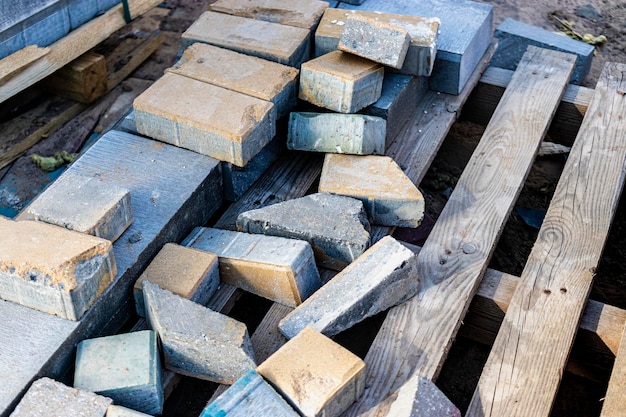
x=615, y=399
x=416, y=336
x=523, y=372
x=172, y=191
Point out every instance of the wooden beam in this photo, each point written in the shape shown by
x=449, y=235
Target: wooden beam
x=72, y=46
x=567, y=119
x=18, y=61
x=416, y=336
x=615, y=399
x=524, y=369
x=83, y=80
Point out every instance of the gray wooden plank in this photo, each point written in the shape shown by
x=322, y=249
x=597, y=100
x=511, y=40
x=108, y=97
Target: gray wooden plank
x=172, y=190
x=524, y=369
x=416, y=336
x=615, y=399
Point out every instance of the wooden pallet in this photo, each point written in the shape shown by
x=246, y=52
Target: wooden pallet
x=416, y=336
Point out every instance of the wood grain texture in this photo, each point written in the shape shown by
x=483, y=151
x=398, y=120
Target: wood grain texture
x=84, y=79
x=18, y=61
x=72, y=46
x=416, y=336
x=524, y=369
x=615, y=399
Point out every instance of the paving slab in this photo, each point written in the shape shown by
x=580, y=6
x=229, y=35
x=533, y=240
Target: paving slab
x=389, y=196
x=514, y=37
x=119, y=411
x=52, y=269
x=280, y=269
x=284, y=44
x=197, y=341
x=229, y=126
x=299, y=13
x=172, y=190
x=341, y=82
x=423, y=31
x=336, y=226
x=49, y=398
x=187, y=272
x=123, y=367
x=337, y=133
x=384, y=276
x=318, y=376
x=463, y=38
x=256, y=77
x=84, y=204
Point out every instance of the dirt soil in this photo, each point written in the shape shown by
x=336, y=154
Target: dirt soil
x=578, y=396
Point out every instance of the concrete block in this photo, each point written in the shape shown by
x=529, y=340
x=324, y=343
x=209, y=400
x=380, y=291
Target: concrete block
x=52, y=269
x=336, y=226
x=47, y=27
x=256, y=77
x=49, y=398
x=282, y=270
x=228, y=126
x=299, y=13
x=337, y=133
x=119, y=411
x=237, y=180
x=375, y=39
x=514, y=37
x=399, y=98
x=84, y=204
x=420, y=397
x=389, y=196
x=81, y=11
x=464, y=35
x=384, y=276
x=341, y=82
x=197, y=341
x=123, y=367
x=284, y=44
x=249, y=396
x=423, y=32
x=187, y=272
x=318, y=376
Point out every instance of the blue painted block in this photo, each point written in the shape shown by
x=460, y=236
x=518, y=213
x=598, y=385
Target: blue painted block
x=47, y=28
x=514, y=37
x=124, y=367
x=464, y=35
x=249, y=396
x=81, y=11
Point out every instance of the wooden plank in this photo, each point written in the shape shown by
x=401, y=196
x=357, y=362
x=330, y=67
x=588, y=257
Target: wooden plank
x=524, y=369
x=416, y=336
x=172, y=190
x=615, y=399
x=20, y=60
x=84, y=79
x=568, y=117
x=72, y=46
x=133, y=54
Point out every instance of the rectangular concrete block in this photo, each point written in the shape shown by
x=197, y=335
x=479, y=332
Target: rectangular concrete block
x=52, y=269
x=389, y=196
x=341, y=82
x=284, y=44
x=318, y=376
x=256, y=77
x=464, y=35
x=299, y=13
x=187, y=272
x=119, y=411
x=249, y=396
x=49, y=398
x=197, y=341
x=336, y=226
x=124, y=367
x=84, y=204
x=337, y=133
x=375, y=39
x=237, y=180
x=228, y=126
x=399, y=97
x=423, y=31
x=280, y=269
x=383, y=276
x=514, y=37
